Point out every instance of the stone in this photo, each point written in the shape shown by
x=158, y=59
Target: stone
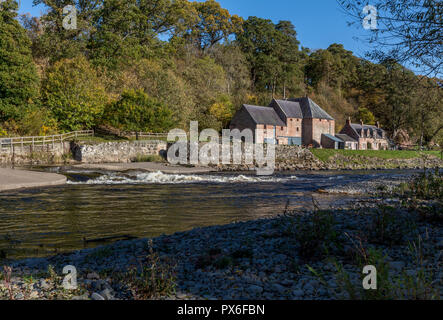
x=82, y=297
x=279, y=288
x=298, y=293
x=19, y=296
x=107, y=294
x=93, y=276
x=397, y=265
x=44, y=284
x=96, y=296
x=255, y=289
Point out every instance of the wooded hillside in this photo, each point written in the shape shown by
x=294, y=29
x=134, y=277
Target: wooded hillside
x=153, y=65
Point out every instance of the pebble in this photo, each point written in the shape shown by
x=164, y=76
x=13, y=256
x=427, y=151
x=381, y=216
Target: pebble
x=255, y=289
x=96, y=296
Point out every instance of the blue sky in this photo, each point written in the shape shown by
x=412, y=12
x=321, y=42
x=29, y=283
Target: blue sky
x=319, y=23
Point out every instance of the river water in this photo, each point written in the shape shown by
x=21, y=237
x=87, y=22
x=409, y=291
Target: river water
x=97, y=207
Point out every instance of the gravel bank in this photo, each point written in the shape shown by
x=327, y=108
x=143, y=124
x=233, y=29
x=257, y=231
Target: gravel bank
x=16, y=179
x=263, y=259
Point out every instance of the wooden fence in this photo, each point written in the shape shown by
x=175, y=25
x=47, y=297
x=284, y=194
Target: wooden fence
x=146, y=134
x=41, y=141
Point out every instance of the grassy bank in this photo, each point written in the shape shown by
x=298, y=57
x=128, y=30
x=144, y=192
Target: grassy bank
x=325, y=154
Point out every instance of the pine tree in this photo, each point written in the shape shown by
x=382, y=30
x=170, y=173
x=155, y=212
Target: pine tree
x=19, y=82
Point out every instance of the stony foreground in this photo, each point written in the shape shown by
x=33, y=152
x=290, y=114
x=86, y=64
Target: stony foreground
x=299, y=255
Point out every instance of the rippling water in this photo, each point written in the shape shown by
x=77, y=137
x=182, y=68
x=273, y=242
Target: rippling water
x=44, y=221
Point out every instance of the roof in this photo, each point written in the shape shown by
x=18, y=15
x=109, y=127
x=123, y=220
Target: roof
x=291, y=109
x=311, y=110
x=368, y=129
x=345, y=137
x=330, y=136
x=264, y=115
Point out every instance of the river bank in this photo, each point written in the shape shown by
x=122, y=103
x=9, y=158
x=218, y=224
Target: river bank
x=11, y=179
x=120, y=156
x=301, y=254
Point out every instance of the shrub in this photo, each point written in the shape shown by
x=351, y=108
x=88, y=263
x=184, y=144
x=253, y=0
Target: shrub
x=317, y=237
x=148, y=158
x=154, y=279
x=136, y=111
x=387, y=227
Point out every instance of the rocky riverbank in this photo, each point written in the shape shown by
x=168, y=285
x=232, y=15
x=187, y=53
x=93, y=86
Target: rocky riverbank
x=311, y=254
x=291, y=158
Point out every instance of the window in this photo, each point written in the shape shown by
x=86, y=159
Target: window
x=298, y=129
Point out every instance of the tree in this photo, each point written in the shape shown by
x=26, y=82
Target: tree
x=366, y=116
x=73, y=92
x=407, y=31
x=213, y=24
x=136, y=111
x=223, y=110
x=272, y=52
x=52, y=41
x=19, y=81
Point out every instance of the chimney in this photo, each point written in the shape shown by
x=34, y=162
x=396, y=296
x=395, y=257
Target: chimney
x=348, y=121
x=378, y=125
x=361, y=122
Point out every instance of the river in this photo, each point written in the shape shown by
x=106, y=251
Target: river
x=97, y=207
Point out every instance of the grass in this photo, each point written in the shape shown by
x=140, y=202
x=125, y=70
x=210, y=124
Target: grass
x=325, y=154
x=153, y=279
x=148, y=158
x=426, y=186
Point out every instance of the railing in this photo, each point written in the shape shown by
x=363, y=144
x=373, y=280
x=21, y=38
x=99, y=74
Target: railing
x=145, y=134
x=36, y=141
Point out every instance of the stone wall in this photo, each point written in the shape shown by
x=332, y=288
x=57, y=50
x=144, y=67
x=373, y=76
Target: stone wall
x=47, y=154
x=117, y=152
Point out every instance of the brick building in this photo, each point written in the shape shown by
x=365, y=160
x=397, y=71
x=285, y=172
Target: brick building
x=367, y=137
x=295, y=122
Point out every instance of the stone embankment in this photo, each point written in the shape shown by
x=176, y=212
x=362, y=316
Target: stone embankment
x=28, y=154
x=117, y=152
x=290, y=158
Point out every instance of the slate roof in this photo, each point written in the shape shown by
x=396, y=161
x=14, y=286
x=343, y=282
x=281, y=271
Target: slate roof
x=345, y=137
x=311, y=110
x=264, y=115
x=291, y=109
x=330, y=136
x=371, y=130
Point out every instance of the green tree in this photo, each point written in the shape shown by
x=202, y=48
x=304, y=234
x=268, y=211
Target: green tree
x=136, y=111
x=73, y=92
x=214, y=24
x=273, y=54
x=366, y=116
x=19, y=81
